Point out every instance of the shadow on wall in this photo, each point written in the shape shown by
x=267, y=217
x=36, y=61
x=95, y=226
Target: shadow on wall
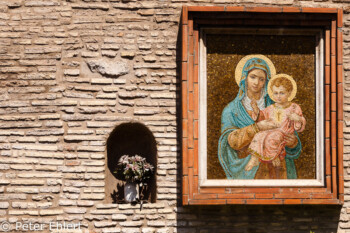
x=130, y=138
x=259, y=219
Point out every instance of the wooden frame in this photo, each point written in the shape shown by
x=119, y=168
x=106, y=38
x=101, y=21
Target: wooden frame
x=330, y=19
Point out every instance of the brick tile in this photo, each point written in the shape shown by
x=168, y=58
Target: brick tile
x=207, y=202
x=341, y=185
x=333, y=47
x=291, y=201
x=321, y=201
x=190, y=158
x=235, y=190
x=196, y=74
x=235, y=201
x=328, y=156
x=235, y=8
x=333, y=29
x=195, y=130
x=334, y=182
x=329, y=183
x=264, y=195
x=190, y=73
x=319, y=10
x=313, y=190
x=184, y=101
x=195, y=184
x=206, y=8
x=196, y=102
x=339, y=47
x=334, y=157
x=340, y=18
x=205, y=196
x=327, y=103
x=196, y=47
x=184, y=156
x=236, y=196
x=190, y=30
x=333, y=74
x=333, y=129
x=327, y=47
x=264, y=201
x=334, y=101
x=212, y=190
x=327, y=74
x=264, y=9
x=184, y=42
x=185, y=199
x=195, y=158
x=190, y=184
x=184, y=128
x=184, y=15
x=185, y=185
x=184, y=71
x=322, y=196
x=340, y=74
x=292, y=195
x=291, y=9
x=289, y=190
x=191, y=45
x=261, y=190
x=190, y=130
x=191, y=101
x=340, y=130
x=340, y=102
x=328, y=129
x=340, y=157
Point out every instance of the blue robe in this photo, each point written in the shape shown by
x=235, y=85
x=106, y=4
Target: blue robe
x=234, y=116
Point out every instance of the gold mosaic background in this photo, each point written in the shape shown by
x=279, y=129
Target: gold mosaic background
x=293, y=55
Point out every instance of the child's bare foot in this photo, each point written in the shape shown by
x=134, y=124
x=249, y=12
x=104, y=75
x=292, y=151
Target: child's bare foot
x=276, y=162
x=254, y=161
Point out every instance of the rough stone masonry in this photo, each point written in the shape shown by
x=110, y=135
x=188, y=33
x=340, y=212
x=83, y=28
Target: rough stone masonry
x=70, y=70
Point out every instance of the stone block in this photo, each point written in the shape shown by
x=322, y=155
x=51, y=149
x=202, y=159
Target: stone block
x=93, y=196
x=50, y=212
x=119, y=217
x=108, y=68
x=4, y=205
x=103, y=224
x=131, y=223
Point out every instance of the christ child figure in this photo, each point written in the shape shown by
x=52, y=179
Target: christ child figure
x=269, y=146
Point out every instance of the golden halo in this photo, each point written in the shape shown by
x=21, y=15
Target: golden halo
x=241, y=63
x=292, y=94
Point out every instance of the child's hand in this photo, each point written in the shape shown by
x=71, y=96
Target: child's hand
x=255, y=107
x=294, y=117
x=276, y=162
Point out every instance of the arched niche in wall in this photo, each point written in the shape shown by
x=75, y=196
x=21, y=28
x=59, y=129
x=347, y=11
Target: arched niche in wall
x=131, y=139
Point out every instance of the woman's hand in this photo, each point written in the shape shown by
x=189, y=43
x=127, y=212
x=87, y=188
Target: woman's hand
x=266, y=125
x=291, y=140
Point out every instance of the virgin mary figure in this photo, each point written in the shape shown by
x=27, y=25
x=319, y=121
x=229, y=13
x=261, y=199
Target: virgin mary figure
x=238, y=127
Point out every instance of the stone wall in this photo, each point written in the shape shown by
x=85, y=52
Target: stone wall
x=72, y=70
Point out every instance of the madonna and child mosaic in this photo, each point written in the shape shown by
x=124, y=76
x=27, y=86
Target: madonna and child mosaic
x=266, y=125
x=260, y=126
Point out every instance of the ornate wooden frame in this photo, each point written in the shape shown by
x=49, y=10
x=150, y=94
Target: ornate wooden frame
x=330, y=19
